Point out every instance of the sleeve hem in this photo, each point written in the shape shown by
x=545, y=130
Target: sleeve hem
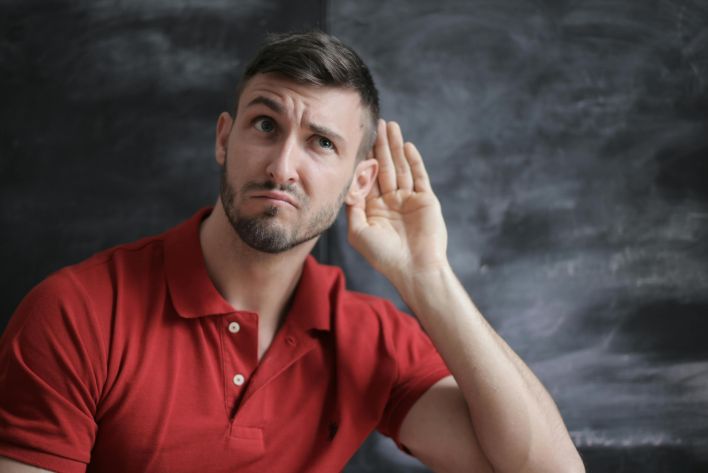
x=413, y=392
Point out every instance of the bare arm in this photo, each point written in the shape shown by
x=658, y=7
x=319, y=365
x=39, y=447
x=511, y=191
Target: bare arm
x=495, y=415
x=11, y=466
x=515, y=422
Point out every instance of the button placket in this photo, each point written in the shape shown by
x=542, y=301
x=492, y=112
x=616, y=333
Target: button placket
x=279, y=360
x=240, y=345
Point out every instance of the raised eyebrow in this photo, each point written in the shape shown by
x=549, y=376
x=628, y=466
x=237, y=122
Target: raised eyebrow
x=270, y=103
x=276, y=107
x=327, y=132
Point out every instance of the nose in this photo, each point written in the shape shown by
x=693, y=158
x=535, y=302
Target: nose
x=282, y=167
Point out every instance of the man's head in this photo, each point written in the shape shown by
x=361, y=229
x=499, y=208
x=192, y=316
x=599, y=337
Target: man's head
x=318, y=59
x=295, y=151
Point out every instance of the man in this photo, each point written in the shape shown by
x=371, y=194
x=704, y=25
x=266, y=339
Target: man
x=222, y=346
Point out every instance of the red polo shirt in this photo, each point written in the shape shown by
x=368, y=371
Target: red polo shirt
x=132, y=361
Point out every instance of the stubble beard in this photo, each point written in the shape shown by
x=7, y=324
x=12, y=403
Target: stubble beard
x=262, y=232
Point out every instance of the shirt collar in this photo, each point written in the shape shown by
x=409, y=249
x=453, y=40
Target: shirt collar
x=193, y=294
x=316, y=296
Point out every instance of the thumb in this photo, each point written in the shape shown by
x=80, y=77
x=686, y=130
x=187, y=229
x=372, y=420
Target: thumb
x=356, y=218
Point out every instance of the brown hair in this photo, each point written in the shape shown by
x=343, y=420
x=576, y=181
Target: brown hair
x=316, y=58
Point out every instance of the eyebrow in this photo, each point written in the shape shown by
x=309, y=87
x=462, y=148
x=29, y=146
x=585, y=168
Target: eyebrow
x=276, y=107
x=270, y=103
x=328, y=132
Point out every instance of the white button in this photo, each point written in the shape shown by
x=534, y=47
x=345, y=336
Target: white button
x=234, y=327
x=239, y=379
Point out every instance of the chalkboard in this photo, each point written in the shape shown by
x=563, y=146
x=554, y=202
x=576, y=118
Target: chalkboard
x=108, y=119
x=568, y=143
x=107, y=115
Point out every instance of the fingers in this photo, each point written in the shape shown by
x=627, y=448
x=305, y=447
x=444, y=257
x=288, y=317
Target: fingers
x=421, y=181
x=404, y=180
x=382, y=152
x=400, y=165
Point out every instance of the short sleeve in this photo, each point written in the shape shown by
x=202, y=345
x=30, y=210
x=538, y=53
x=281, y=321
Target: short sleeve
x=419, y=366
x=50, y=354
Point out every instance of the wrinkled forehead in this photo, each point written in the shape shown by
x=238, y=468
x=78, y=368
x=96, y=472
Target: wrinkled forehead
x=336, y=108
x=341, y=105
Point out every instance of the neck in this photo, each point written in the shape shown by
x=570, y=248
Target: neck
x=250, y=280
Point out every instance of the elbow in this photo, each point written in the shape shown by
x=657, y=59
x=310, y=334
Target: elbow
x=566, y=462
x=574, y=464
x=577, y=468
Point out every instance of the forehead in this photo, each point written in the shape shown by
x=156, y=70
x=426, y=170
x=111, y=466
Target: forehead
x=338, y=107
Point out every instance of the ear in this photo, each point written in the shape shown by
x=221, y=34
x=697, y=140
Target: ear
x=223, y=130
x=363, y=181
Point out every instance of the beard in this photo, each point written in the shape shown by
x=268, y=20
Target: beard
x=263, y=232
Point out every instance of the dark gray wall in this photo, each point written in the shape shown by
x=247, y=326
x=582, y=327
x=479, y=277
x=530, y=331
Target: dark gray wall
x=568, y=142
x=107, y=116
x=107, y=113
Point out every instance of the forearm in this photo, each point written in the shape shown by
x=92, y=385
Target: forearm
x=516, y=421
x=8, y=465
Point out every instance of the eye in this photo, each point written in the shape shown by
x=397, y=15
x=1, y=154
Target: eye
x=264, y=124
x=325, y=143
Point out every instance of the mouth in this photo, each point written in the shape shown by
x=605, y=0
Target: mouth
x=276, y=198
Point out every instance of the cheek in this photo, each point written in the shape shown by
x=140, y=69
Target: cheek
x=243, y=159
x=329, y=183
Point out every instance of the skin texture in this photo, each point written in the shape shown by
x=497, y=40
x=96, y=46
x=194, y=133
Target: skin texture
x=263, y=127
x=493, y=414
x=289, y=160
x=8, y=465
x=283, y=179
x=260, y=231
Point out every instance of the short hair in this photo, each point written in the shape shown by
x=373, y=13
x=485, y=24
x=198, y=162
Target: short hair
x=319, y=59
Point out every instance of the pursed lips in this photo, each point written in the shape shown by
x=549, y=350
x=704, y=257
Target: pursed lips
x=277, y=196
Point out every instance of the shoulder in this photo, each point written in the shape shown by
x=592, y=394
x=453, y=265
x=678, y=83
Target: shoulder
x=349, y=302
x=131, y=264
x=360, y=317
x=78, y=294
x=138, y=254
x=378, y=311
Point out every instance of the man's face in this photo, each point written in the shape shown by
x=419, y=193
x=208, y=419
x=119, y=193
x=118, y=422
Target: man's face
x=288, y=160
